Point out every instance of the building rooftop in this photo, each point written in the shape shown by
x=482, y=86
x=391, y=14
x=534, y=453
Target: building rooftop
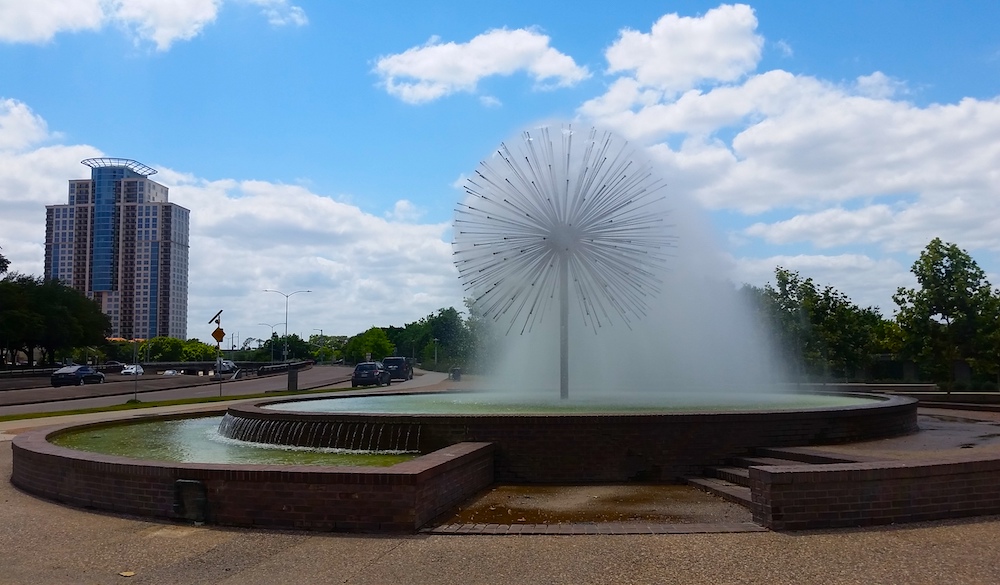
x=128, y=163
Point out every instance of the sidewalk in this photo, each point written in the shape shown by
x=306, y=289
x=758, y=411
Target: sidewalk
x=48, y=543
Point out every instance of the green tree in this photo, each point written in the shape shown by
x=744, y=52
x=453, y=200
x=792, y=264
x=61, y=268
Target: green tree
x=819, y=330
x=953, y=314
x=196, y=350
x=373, y=341
x=162, y=349
x=4, y=263
x=47, y=315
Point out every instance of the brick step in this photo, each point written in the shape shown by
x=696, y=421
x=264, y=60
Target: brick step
x=735, y=475
x=748, y=460
x=802, y=455
x=728, y=491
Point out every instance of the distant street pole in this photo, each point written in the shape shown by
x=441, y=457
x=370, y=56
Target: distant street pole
x=435, y=352
x=270, y=341
x=286, y=312
x=321, y=342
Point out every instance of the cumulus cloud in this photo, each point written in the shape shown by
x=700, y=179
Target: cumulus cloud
x=870, y=282
x=40, y=20
x=679, y=52
x=837, y=166
x=437, y=69
x=363, y=270
x=162, y=23
x=281, y=13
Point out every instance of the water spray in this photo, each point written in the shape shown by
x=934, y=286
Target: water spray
x=562, y=215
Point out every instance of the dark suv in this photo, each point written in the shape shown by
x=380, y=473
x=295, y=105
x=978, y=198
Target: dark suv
x=370, y=374
x=399, y=368
x=76, y=376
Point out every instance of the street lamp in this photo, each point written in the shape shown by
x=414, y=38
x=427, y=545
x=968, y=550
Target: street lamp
x=286, y=312
x=435, y=352
x=270, y=340
x=321, y=344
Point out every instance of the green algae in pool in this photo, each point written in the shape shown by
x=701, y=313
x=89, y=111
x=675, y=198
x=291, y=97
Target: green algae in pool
x=196, y=440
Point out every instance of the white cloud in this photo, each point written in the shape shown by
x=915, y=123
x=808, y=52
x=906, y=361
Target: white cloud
x=364, y=270
x=436, y=69
x=38, y=21
x=165, y=23
x=869, y=282
x=19, y=126
x=281, y=13
x=837, y=166
x=680, y=52
x=404, y=211
x=878, y=85
x=156, y=21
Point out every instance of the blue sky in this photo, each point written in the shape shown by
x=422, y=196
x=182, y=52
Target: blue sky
x=322, y=145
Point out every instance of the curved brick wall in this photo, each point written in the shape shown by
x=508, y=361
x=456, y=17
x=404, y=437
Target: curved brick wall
x=589, y=448
x=400, y=498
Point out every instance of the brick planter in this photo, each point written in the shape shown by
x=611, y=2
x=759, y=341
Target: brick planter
x=400, y=498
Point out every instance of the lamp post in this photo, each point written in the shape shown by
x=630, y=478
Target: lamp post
x=270, y=340
x=321, y=343
x=435, y=352
x=286, y=312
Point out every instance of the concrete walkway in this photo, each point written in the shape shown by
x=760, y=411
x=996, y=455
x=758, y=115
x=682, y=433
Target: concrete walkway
x=44, y=543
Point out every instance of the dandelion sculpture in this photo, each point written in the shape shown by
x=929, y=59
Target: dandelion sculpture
x=557, y=212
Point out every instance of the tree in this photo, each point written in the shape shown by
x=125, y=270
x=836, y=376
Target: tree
x=47, y=315
x=952, y=316
x=162, y=349
x=196, y=350
x=4, y=263
x=373, y=341
x=820, y=331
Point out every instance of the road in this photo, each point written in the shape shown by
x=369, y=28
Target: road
x=151, y=388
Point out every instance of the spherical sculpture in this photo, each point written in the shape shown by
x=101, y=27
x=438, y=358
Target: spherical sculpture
x=560, y=212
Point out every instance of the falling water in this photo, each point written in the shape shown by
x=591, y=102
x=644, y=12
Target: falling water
x=652, y=308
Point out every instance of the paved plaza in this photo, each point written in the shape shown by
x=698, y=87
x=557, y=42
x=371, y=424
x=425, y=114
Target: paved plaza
x=45, y=542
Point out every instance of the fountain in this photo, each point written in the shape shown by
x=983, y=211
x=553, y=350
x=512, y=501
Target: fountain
x=554, y=220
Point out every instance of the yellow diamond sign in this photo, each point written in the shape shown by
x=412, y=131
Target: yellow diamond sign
x=219, y=334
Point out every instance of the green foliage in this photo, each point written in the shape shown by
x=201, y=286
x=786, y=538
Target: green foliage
x=819, y=330
x=47, y=315
x=952, y=316
x=195, y=350
x=374, y=342
x=4, y=263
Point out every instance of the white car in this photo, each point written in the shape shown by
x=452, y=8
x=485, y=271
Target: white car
x=134, y=370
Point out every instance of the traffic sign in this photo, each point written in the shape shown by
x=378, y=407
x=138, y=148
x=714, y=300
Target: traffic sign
x=219, y=334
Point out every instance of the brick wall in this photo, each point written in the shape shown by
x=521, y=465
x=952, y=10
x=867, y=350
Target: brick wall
x=838, y=495
x=586, y=448
x=400, y=498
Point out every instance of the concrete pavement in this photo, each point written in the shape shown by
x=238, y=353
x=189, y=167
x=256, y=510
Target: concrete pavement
x=45, y=543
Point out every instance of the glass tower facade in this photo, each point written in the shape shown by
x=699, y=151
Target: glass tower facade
x=121, y=242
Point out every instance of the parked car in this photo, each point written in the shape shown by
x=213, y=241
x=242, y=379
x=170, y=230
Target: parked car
x=76, y=376
x=133, y=370
x=112, y=363
x=399, y=368
x=370, y=374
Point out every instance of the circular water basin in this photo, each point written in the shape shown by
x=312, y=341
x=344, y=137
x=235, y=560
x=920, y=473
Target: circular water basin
x=197, y=440
x=488, y=403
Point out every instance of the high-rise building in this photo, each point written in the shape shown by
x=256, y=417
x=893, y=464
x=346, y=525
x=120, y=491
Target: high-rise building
x=121, y=243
